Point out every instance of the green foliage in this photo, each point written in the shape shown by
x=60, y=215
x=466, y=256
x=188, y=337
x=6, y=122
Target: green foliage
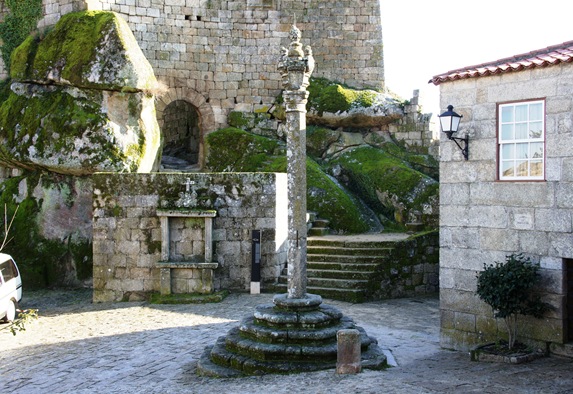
x=17, y=25
x=19, y=324
x=508, y=289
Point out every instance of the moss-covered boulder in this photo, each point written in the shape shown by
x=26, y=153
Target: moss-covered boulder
x=234, y=150
x=389, y=184
x=87, y=49
x=78, y=102
x=334, y=105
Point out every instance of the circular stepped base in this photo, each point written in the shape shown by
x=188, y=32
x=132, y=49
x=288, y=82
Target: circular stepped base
x=293, y=335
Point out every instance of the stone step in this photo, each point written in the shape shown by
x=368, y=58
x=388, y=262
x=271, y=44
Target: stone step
x=350, y=244
x=350, y=259
x=341, y=266
x=348, y=251
x=318, y=231
x=320, y=223
x=335, y=283
x=349, y=295
x=250, y=328
x=337, y=274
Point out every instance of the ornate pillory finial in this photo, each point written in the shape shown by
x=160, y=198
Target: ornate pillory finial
x=295, y=64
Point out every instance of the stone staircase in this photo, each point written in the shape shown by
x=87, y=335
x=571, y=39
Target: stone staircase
x=340, y=269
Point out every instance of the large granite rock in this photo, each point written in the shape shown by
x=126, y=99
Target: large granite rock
x=80, y=100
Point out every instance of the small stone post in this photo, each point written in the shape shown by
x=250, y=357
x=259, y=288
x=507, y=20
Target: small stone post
x=296, y=67
x=348, y=359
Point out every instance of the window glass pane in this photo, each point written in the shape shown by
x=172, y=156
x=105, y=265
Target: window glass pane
x=521, y=140
x=535, y=111
x=521, y=168
x=507, y=132
x=535, y=129
x=537, y=150
x=507, y=114
x=521, y=114
x=508, y=151
x=507, y=168
x=536, y=168
x=6, y=270
x=521, y=131
x=521, y=151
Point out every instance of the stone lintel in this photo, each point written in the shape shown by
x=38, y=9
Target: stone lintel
x=187, y=213
x=187, y=264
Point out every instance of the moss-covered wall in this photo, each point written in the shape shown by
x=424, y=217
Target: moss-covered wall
x=411, y=269
x=51, y=232
x=127, y=231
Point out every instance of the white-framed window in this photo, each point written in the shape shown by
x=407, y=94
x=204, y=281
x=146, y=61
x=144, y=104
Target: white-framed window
x=521, y=139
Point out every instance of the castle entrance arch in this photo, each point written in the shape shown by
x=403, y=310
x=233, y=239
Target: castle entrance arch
x=185, y=118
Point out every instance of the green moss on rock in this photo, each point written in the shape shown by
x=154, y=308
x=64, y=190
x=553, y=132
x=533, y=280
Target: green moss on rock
x=42, y=262
x=90, y=49
x=329, y=96
x=239, y=151
x=56, y=129
x=233, y=150
x=386, y=183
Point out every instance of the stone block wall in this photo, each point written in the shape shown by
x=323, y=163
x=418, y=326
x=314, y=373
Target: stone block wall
x=412, y=269
x=417, y=130
x=127, y=230
x=54, y=9
x=482, y=220
x=227, y=50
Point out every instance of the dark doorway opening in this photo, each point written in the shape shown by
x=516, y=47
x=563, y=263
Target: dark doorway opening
x=181, y=136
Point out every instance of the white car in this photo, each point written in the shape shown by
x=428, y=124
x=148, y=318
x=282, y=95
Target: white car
x=10, y=288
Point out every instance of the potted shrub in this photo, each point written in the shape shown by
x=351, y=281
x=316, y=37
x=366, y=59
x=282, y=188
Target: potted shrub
x=509, y=289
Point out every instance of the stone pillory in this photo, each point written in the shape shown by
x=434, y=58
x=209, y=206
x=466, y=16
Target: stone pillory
x=296, y=67
x=295, y=333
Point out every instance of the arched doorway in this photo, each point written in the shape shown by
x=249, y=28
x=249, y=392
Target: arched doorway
x=178, y=111
x=181, y=136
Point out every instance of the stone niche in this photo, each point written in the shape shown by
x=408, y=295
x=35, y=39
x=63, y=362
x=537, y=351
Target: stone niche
x=135, y=214
x=186, y=264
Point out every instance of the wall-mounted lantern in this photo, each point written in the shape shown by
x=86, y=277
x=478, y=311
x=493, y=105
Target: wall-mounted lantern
x=449, y=123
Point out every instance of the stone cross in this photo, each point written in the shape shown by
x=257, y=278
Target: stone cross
x=188, y=184
x=296, y=66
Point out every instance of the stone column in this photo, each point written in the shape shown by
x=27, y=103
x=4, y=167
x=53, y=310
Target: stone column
x=296, y=67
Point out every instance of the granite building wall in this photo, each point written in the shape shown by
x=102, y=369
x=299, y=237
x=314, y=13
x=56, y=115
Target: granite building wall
x=127, y=229
x=482, y=219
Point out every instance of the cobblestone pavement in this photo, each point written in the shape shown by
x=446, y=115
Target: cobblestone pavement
x=79, y=347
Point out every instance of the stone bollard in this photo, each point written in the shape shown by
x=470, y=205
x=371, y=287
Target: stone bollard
x=349, y=354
